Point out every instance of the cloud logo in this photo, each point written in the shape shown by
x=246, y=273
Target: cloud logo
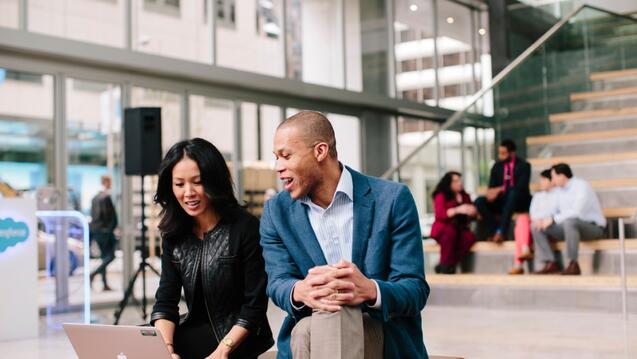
x=12, y=233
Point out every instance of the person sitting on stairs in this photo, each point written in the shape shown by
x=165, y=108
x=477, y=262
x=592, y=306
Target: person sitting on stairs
x=454, y=212
x=508, y=192
x=578, y=216
x=543, y=206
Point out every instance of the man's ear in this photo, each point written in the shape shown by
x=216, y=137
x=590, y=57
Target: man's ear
x=321, y=151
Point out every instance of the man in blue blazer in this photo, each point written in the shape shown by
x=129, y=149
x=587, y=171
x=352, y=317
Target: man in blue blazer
x=336, y=241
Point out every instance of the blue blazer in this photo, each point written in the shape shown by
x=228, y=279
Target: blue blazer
x=387, y=247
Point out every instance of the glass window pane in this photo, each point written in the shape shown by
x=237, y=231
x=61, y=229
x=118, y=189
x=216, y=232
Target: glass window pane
x=315, y=41
x=374, y=47
x=213, y=120
x=353, y=48
x=270, y=119
x=170, y=104
x=261, y=48
x=414, y=50
x=249, y=133
x=97, y=21
x=9, y=13
x=93, y=136
x=26, y=130
x=458, y=69
x=348, y=139
x=172, y=28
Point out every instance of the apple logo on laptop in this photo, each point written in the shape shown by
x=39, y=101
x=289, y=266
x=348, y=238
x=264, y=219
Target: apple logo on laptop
x=121, y=356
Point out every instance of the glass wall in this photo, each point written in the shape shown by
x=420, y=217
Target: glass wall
x=93, y=142
x=26, y=130
x=213, y=120
x=97, y=21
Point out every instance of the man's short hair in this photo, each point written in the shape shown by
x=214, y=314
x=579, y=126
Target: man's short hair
x=546, y=173
x=563, y=169
x=509, y=145
x=315, y=128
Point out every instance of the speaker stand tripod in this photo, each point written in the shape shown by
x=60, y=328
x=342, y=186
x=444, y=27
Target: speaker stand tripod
x=143, y=265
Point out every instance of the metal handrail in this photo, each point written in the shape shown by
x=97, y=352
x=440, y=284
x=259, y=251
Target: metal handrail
x=495, y=81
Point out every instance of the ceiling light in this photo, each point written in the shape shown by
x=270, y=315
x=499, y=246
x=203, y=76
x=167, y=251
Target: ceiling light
x=413, y=7
x=450, y=20
x=482, y=31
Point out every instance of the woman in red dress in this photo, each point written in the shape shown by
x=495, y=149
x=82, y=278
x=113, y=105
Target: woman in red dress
x=454, y=212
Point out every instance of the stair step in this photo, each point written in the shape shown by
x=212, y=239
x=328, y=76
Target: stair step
x=545, y=281
x=609, y=75
x=584, y=159
x=617, y=183
x=602, y=114
x=581, y=137
x=509, y=246
x=595, y=95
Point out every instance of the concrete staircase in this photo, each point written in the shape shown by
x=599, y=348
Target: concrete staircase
x=598, y=138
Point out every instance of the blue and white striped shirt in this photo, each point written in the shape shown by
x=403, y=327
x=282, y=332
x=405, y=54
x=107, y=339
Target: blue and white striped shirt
x=333, y=225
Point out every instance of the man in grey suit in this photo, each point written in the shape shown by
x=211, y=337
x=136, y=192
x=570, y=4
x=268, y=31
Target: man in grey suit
x=343, y=253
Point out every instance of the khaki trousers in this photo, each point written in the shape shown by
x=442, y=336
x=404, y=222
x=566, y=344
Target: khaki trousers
x=348, y=334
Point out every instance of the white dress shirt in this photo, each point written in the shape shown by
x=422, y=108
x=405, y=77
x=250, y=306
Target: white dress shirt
x=543, y=204
x=334, y=225
x=578, y=200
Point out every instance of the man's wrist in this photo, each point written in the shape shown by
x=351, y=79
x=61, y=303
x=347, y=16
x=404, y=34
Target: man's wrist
x=371, y=294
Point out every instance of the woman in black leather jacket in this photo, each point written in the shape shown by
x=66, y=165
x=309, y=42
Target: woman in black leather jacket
x=211, y=250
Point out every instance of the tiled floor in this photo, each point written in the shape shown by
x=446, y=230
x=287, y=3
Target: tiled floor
x=466, y=332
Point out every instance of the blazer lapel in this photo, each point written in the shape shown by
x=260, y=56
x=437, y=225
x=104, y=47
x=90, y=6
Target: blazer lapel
x=306, y=234
x=363, y=217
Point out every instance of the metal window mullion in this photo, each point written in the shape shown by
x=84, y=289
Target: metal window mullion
x=23, y=15
x=61, y=165
x=237, y=153
x=391, y=58
x=128, y=31
x=284, y=26
x=185, y=115
x=436, y=34
x=344, y=41
x=212, y=20
x=127, y=240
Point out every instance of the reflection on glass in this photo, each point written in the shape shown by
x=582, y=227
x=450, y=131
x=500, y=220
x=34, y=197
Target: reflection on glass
x=9, y=10
x=261, y=48
x=315, y=42
x=93, y=137
x=100, y=22
x=172, y=28
x=213, y=120
x=26, y=130
x=414, y=50
x=348, y=139
x=170, y=104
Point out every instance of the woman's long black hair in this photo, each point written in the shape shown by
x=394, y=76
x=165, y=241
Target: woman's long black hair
x=444, y=186
x=215, y=178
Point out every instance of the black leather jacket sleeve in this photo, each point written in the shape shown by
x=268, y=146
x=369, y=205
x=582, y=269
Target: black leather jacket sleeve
x=169, y=291
x=255, y=306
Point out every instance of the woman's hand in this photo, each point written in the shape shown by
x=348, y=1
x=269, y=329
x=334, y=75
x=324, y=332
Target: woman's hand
x=175, y=356
x=221, y=352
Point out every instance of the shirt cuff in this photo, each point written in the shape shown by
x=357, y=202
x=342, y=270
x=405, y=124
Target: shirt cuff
x=298, y=309
x=377, y=304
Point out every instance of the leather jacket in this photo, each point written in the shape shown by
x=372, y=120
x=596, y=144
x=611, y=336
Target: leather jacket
x=233, y=278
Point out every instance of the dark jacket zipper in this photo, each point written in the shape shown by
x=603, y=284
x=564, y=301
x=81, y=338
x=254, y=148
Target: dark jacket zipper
x=203, y=290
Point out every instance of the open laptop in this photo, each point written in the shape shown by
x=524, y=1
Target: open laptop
x=116, y=342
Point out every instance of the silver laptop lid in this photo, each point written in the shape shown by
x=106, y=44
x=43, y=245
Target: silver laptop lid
x=116, y=342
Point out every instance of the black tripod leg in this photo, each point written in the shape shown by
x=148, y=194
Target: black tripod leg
x=127, y=295
x=153, y=269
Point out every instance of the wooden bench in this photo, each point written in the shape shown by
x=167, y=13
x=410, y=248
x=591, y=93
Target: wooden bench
x=509, y=246
x=600, y=184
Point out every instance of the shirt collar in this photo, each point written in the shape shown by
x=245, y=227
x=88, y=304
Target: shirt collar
x=345, y=186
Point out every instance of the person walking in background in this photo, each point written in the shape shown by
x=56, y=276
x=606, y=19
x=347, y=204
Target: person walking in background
x=543, y=206
x=508, y=192
x=102, y=227
x=454, y=212
x=578, y=216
